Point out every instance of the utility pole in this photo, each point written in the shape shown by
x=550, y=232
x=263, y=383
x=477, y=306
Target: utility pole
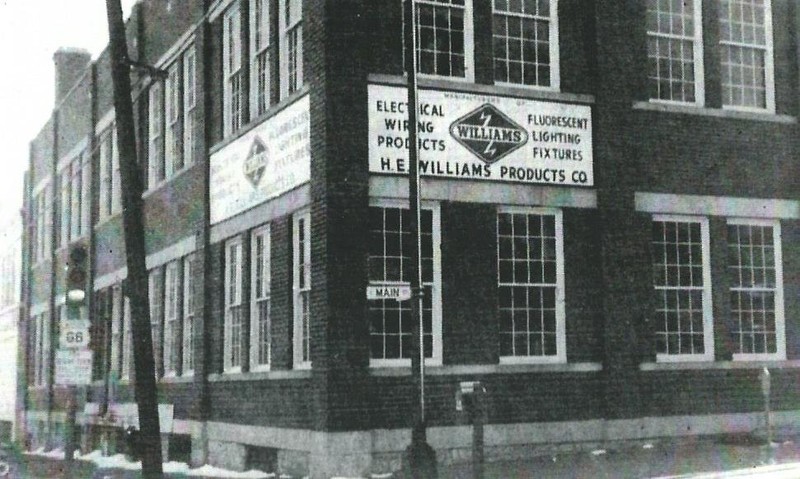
x=144, y=363
x=420, y=455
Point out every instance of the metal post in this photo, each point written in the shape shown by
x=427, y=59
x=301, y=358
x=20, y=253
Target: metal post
x=421, y=457
x=71, y=431
x=764, y=376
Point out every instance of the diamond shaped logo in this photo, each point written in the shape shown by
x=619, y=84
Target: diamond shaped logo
x=256, y=161
x=488, y=133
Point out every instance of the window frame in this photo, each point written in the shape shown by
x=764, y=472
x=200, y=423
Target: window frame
x=707, y=290
x=436, y=285
x=769, y=63
x=232, y=71
x=156, y=305
x=188, y=317
x=555, y=58
x=780, y=319
x=560, y=296
x=127, y=340
x=469, y=41
x=117, y=339
x=261, y=31
x=288, y=85
x=156, y=162
x=65, y=187
x=173, y=112
x=236, y=301
x=171, y=312
x=698, y=57
x=301, y=331
x=189, y=97
x=257, y=296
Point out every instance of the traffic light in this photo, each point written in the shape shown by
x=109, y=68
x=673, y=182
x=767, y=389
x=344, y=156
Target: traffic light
x=76, y=280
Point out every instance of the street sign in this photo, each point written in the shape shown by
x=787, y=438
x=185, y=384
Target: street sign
x=74, y=334
x=73, y=367
x=398, y=292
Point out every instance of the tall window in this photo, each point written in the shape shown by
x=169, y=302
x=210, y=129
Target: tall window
x=682, y=282
x=233, y=103
x=156, y=293
x=291, y=38
x=189, y=103
x=260, y=57
x=390, y=243
x=260, y=337
x=675, y=51
x=171, y=313
x=40, y=339
x=116, y=181
x=301, y=256
x=127, y=340
x=444, y=37
x=44, y=220
x=156, y=165
x=116, y=329
x=77, y=190
x=65, y=205
x=530, y=265
x=233, y=306
x=756, y=289
x=173, y=150
x=107, y=153
x=746, y=50
x=188, y=316
x=526, y=42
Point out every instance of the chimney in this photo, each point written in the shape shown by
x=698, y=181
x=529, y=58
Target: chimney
x=70, y=65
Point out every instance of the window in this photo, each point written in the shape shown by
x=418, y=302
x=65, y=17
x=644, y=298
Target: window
x=189, y=104
x=260, y=57
x=746, y=51
x=116, y=329
x=65, y=205
x=106, y=171
x=127, y=340
x=173, y=150
x=390, y=243
x=301, y=260
x=188, y=316
x=156, y=293
x=116, y=181
x=44, y=220
x=444, y=37
x=675, y=51
x=682, y=282
x=77, y=190
x=171, y=313
x=233, y=306
x=756, y=289
x=291, y=24
x=155, y=155
x=232, y=70
x=530, y=265
x=40, y=339
x=525, y=38
x=260, y=337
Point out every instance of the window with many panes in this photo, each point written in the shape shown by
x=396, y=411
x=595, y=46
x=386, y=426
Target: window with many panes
x=525, y=38
x=233, y=306
x=173, y=150
x=189, y=103
x=390, y=244
x=117, y=338
x=746, y=50
x=530, y=267
x=260, y=57
x=260, y=336
x=188, y=316
x=755, y=274
x=107, y=153
x=155, y=157
x=291, y=45
x=171, y=318
x=40, y=339
x=682, y=282
x=444, y=38
x=301, y=274
x=44, y=219
x=232, y=71
x=156, y=293
x=675, y=51
x=79, y=194
x=127, y=340
x=64, y=186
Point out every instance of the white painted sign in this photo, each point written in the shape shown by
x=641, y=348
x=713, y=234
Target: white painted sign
x=266, y=162
x=399, y=292
x=74, y=333
x=482, y=137
x=73, y=366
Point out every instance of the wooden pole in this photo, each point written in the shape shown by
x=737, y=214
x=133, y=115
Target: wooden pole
x=137, y=287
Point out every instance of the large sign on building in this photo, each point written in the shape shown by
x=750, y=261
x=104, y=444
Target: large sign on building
x=266, y=162
x=482, y=137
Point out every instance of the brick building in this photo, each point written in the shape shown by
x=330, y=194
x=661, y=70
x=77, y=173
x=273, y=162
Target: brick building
x=10, y=259
x=609, y=225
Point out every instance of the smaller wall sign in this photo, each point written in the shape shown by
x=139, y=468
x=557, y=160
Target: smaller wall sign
x=73, y=366
x=266, y=162
x=398, y=292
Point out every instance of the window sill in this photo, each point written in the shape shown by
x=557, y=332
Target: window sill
x=161, y=184
x=721, y=365
x=173, y=379
x=500, y=89
x=259, y=376
x=713, y=112
x=454, y=370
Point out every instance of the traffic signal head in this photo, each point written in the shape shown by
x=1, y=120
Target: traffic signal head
x=76, y=276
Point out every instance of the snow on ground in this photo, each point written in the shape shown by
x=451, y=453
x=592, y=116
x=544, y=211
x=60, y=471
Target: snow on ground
x=224, y=473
